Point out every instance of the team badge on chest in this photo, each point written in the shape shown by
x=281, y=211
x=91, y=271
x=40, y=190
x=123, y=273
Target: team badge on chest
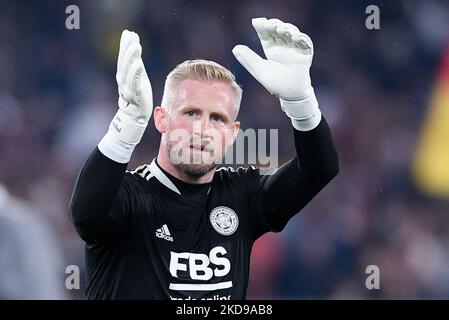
x=224, y=220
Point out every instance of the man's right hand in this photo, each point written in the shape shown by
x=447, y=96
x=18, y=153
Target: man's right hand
x=135, y=102
x=134, y=87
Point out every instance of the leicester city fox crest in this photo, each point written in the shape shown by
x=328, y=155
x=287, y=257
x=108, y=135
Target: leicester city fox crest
x=224, y=220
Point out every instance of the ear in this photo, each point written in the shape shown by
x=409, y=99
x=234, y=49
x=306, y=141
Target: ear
x=235, y=130
x=160, y=119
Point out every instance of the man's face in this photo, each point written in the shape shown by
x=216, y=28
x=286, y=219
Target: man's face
x=200, y=125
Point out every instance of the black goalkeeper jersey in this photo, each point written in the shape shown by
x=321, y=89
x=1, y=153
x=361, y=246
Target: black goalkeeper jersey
x=151, y=236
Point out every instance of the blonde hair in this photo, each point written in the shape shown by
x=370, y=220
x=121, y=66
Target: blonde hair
x=203, y=70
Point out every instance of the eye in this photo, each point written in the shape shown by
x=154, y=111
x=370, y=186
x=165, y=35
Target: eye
x=217, y=118
x=191, y=113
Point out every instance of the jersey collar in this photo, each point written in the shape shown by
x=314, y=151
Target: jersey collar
x=161, y=177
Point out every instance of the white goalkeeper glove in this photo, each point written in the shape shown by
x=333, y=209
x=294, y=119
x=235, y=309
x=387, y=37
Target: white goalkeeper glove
x=135, y=102
x=285, y=72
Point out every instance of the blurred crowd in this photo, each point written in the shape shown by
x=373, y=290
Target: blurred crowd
x=58, y=95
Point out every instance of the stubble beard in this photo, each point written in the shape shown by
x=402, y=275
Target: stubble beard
x=189, y=169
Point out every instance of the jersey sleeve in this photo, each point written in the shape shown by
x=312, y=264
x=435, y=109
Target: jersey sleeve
x=102, y=198
x=275, y=198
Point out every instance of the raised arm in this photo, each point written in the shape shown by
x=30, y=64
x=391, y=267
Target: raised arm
x=295, y=183
x=101, y=196
x=285, y=74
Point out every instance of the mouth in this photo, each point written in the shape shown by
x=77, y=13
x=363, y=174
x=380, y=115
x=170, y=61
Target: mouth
x=200, y=147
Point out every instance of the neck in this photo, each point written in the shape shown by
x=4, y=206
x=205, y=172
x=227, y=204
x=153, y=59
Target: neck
x=164, y=162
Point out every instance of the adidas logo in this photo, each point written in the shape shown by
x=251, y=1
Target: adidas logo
x=163, y=233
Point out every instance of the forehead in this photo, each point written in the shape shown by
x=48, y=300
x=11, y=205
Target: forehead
x=204, y=94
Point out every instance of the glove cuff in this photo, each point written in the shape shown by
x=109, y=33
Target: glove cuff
x=304, y=113
x=301, y=109
x=122, y=137
x=309, y=123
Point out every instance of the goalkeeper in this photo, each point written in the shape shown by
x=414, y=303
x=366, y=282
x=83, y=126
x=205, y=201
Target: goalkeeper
x=178, y=227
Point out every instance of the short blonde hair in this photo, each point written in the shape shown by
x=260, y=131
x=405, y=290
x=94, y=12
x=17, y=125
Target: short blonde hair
x=200, y=69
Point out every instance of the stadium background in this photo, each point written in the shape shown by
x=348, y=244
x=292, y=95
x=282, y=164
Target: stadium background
x=382, y=91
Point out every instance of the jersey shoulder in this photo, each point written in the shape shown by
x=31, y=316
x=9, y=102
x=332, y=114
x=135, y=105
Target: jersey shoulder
x=147, y=175
x=240, y=174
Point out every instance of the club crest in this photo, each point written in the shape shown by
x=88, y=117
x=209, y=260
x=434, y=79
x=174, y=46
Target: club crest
x=224, y=220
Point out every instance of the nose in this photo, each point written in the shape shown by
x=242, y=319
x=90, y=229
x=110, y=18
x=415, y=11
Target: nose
x=201, y=125
x=205, y=122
